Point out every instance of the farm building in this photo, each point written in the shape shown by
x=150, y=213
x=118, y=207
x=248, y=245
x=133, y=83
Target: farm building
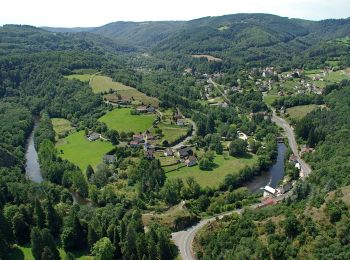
x=108, y=159
x=168, y=152
x=93, y=136
x=149, y=154
x=191, y=161
x=184, y=152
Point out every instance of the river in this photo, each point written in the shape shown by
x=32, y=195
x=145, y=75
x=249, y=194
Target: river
x=33, y=172
x=273, y=176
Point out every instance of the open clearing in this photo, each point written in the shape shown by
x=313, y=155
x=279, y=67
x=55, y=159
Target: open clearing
x=81, y=77
x=299, y=112
x=78, y=150
x=62, y=126
x=25, y=253
x=172, y=133
x=102, y=84
x=208, y=57
x=121, y=119
x=224, y=166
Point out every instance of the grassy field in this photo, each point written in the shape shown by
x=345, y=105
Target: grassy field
x=268, y=99
x=171, y=133
x=216, y=176
x=121, y=120
x=208, y=57
x=101, y=84
x=299, y=112
x=81, y=77
x=25, y=253
x=62, y=126
x=78, y=150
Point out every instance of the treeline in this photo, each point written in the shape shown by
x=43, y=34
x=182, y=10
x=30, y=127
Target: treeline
x=297, y=100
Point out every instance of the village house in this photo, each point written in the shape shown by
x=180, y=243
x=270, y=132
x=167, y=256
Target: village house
x=168, y=152
x=109, y=159
x=150, y=109
x=148, y=137
x=269, y=191
x=93, y=136
x=184, y=152
x=149, y=154
x=242, y=136
x=137, y=138
x=142, y=109
x=180, y=122
x=293, y=159
x=191, y=161
x=284, y=188
x=134, y=144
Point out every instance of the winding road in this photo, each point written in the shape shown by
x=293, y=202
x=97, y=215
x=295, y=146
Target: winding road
x=184, y=239
x=306, y=169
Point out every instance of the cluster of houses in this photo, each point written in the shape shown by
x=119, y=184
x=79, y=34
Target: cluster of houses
x=185, y=154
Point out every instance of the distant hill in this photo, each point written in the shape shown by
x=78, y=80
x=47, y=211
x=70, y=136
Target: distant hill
x=238, y=38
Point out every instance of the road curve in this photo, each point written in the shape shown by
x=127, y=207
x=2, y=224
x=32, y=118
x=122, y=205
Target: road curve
x=306, y=169
x=184, y=239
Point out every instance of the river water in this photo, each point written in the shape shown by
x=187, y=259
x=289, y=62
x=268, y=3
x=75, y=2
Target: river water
x=273, y=176
x=33, y=172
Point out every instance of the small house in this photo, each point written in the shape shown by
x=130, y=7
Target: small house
x=137, y=138
x=168, y=152
x=191, y=161
x=142, y=109
x=184, y=152
x=134, y=144
x=269, y=191
x=284, y=188
x=180, y=122
x=93, y=136
x=108, y=159
x=293, y=159
x=149, y=154
x=150, y=109
x=148, y=137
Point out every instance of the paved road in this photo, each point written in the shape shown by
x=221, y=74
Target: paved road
x=292, y=142
x=184, y=239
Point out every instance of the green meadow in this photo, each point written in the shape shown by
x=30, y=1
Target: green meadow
x=224, y=166
x=121, y=119
x=298, y=112
x=78, y=150
x=25, y=253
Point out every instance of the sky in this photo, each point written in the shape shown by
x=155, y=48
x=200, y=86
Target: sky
x=88, y=13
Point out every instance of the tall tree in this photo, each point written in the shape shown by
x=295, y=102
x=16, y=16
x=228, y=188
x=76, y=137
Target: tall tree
x=39, y=214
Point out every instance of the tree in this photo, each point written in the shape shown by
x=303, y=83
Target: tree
x=6, y=236
x=89, y=172
x=237, y=147
x=53, y=220
x=291, y=226
x=172, y=191
x=36, y=242
x=50, y=243
x=20, y=229
x=39, y=214
x=103, y=249
x=92, y=236
x=69, y=256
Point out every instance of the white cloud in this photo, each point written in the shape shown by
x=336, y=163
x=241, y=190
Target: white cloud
x=73, y=13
